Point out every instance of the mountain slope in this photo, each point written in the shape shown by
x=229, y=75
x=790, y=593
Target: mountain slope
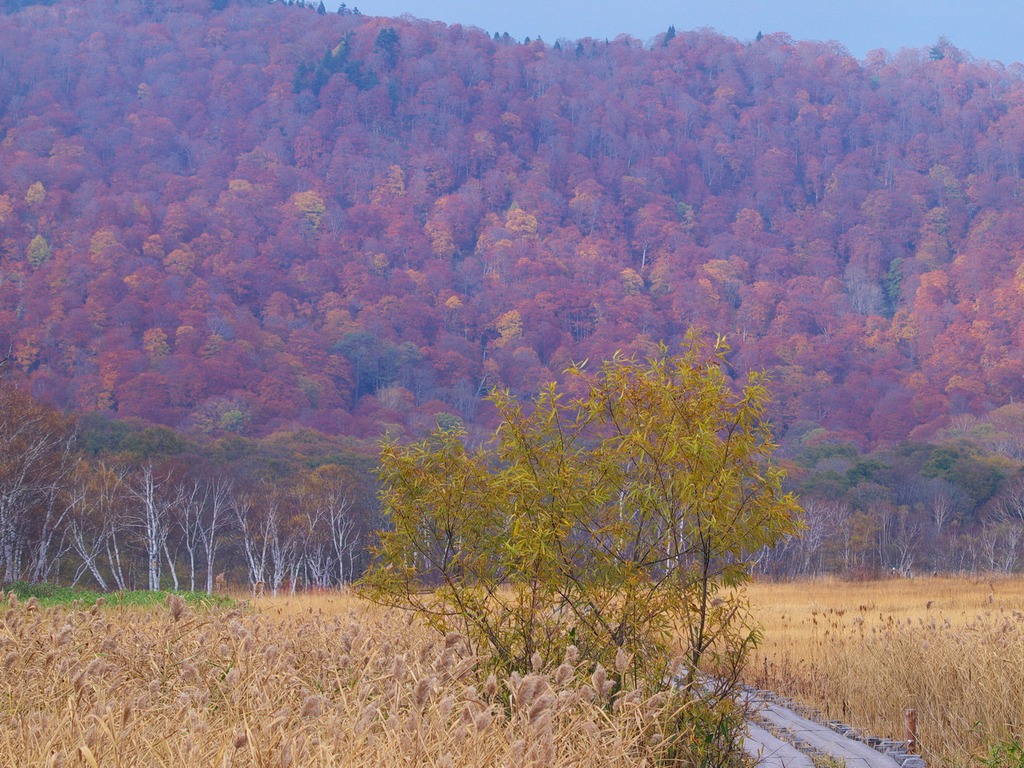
x=236, y=217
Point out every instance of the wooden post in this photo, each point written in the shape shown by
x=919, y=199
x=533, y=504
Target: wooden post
x=910, y=723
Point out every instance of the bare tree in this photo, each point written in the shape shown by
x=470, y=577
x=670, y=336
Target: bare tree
x=906, y=540
x=202, y=512
x=280, y=545
x=96, y=524
x=53, y=502
x=1003, y=531
x=36, y=454
x=91, y=521
x=1000, y=545
x=317, y=562
x=1010, y=504
x=192, y=500
x=218, y=502
x=256, y=529
x=328, y=496
x=823, y=520
x=152, y=517
x=944, y=501
x=52, y=542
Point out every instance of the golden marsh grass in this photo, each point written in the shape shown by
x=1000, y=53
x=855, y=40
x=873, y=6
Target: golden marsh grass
x=862, y=652
x=307, y=681
x=318, y=680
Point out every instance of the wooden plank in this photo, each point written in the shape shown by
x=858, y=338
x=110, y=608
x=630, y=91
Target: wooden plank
x=772, y=752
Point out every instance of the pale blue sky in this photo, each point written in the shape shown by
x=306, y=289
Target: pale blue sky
x=989, y=29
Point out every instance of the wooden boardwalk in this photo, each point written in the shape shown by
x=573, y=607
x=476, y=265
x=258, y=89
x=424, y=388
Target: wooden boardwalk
x=801, y=737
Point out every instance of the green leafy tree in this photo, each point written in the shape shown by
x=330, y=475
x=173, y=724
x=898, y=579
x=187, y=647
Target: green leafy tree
x=619, y=520
x=38, y=251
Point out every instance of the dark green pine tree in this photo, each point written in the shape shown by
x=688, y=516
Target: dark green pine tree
x=388, y=43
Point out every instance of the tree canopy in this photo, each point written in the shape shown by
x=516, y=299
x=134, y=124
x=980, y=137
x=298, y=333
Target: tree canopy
x=616, y=514
x=189, y=236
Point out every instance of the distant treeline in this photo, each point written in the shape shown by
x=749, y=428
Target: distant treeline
x=133, y=506
x=120, y=506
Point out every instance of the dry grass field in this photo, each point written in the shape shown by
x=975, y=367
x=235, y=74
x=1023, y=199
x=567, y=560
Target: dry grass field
x=862, y=652
x=309, y=681
x=322, y=680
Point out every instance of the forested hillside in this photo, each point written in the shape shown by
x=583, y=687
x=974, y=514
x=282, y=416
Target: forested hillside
x=239, y=218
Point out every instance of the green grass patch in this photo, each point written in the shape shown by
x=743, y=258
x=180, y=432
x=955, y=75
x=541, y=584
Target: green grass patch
x=53, y=594
x=1005, y=754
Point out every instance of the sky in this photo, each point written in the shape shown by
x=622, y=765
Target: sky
x=988, y=29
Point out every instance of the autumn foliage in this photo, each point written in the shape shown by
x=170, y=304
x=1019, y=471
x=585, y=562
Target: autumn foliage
x=620, y=522
x=240, y=216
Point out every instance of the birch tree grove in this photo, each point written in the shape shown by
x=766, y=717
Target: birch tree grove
x=148, y=518
x=329, y=494
x=36, y=460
